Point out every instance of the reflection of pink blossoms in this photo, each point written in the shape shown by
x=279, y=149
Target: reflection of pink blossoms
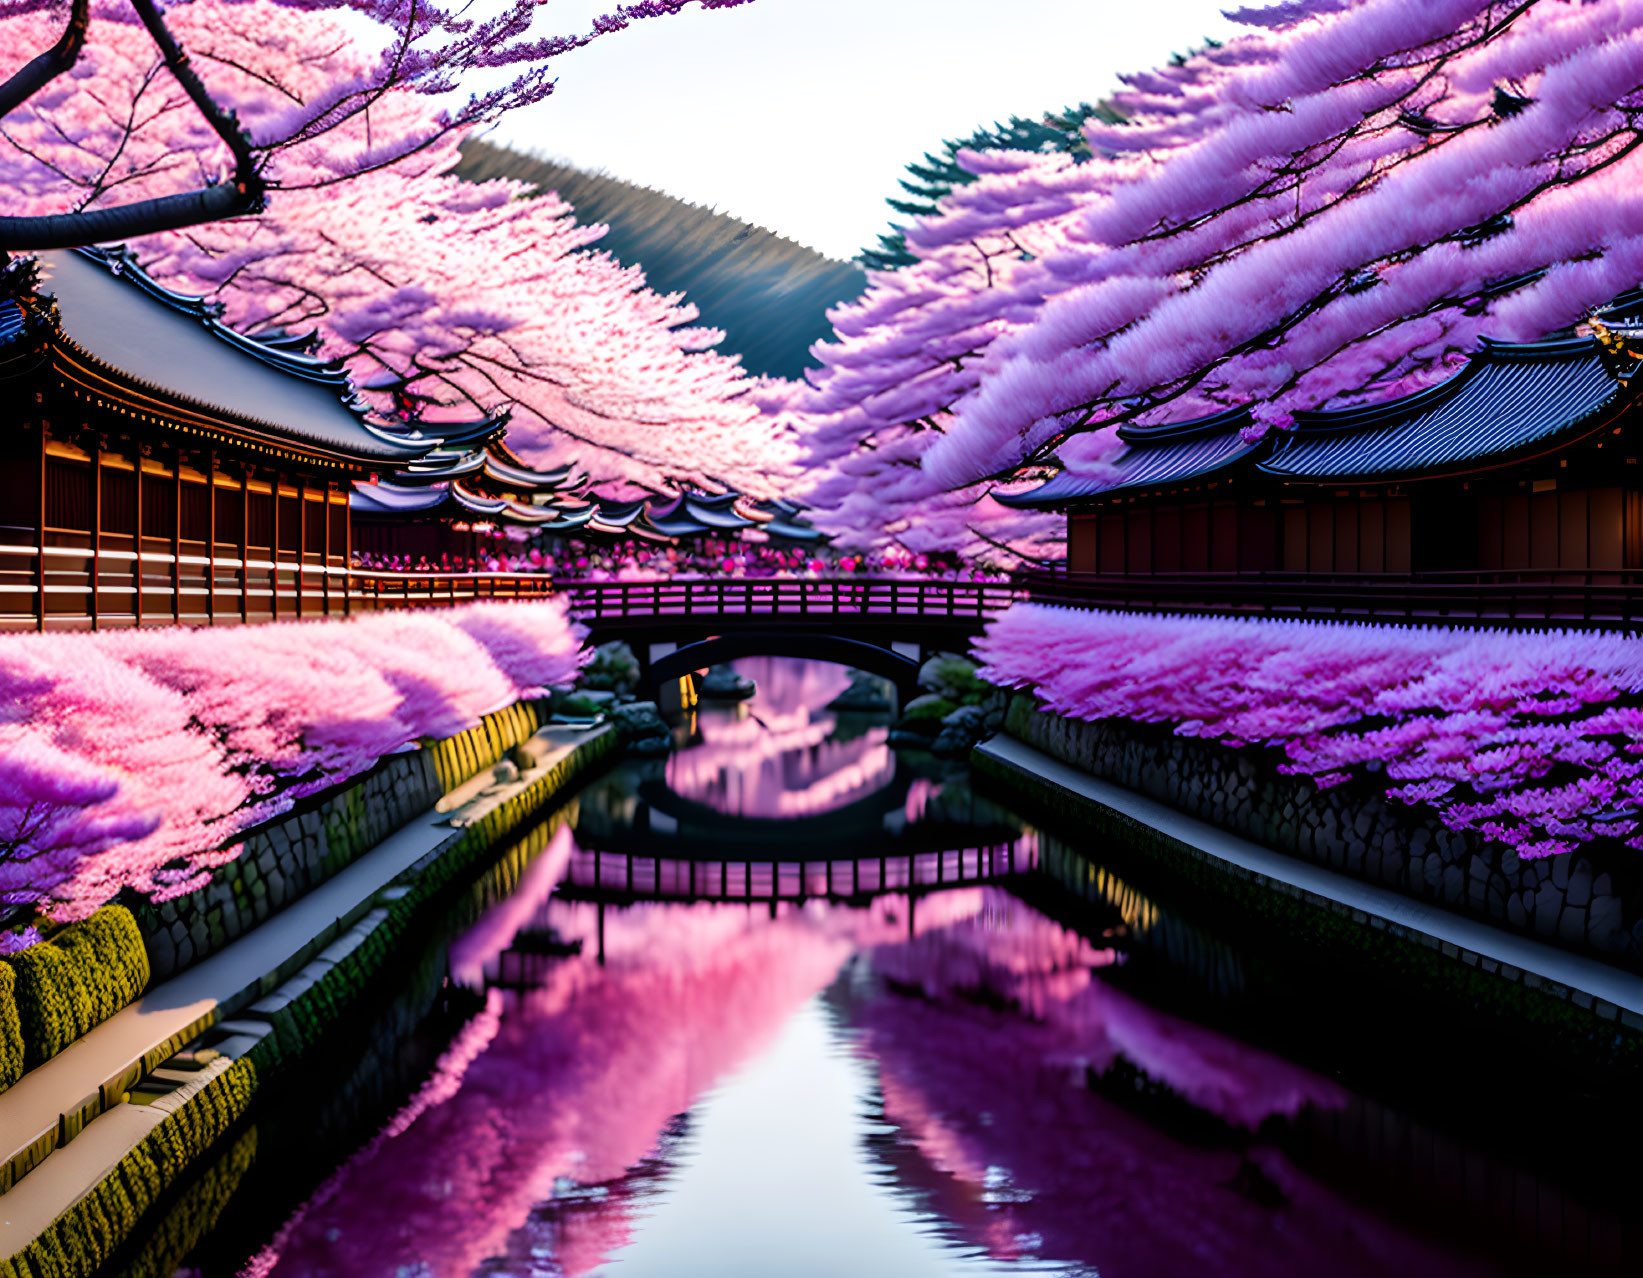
x=776, y=757
x=982, y=1035
x=1535, y=740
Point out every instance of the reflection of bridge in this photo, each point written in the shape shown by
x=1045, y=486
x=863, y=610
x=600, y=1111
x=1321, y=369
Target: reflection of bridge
x=629, y=876
x=620, y=879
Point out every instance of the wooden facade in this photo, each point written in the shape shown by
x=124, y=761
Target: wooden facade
x=1526, y=463
x=129, y=497
x=131, y=530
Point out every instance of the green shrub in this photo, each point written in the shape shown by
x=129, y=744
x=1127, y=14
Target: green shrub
x=928, y=707
x=77, y=980
x=11, y=1030
x=614, y=668
x=955, y=679
x=90, y=1231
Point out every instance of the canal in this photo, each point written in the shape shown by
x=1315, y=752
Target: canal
x=793, y=1002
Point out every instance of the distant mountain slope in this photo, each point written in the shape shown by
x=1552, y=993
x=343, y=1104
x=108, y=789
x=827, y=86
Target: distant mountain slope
x=768, y=294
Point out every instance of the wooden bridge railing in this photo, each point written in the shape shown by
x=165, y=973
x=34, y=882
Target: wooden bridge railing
x=791, y=599
x=681, y=878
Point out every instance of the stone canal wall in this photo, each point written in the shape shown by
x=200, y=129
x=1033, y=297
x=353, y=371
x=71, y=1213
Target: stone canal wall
x=1590, y=901
x=290, y=856
x=146, y=1133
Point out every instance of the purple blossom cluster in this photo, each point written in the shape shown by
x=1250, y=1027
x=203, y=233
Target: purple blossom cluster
x=1532, y=740
x=1330, y=209
x=137, y=759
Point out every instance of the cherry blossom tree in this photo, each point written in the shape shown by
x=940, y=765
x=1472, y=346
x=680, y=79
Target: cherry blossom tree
x=424, y=49
x=137, y=759
x=446, y=298
x=1532, y=740
x=1331, y=209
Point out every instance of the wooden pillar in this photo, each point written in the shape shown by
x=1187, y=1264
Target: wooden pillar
x=211, y=537
x=96, y=530
x=245, y=543
x=302, y=540
x=347, y=554
x=177, y=535
x=325, y=551
x=137, y=541
x=274, y=554
x=40, y=536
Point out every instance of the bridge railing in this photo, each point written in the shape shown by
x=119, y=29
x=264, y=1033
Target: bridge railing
x=685, y=878
x=789, y=598
x=78, y=587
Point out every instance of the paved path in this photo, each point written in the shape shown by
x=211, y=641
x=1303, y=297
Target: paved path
x=229, y=979
x=1623, y=989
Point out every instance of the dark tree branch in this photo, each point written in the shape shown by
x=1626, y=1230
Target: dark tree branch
x=41, y=71
x=241, y=195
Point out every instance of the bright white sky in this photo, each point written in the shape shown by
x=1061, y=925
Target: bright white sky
x=799, y=115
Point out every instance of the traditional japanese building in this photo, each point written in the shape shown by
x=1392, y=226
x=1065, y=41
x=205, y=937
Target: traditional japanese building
x=1526, y=461
x=446, y=504
x=157, y=465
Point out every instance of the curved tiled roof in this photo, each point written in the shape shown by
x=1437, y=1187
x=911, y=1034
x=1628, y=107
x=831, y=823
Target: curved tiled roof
x=1153, y=455
x=128, y=328
x=1506, y=400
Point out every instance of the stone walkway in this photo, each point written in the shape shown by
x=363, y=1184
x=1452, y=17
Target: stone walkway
x=216, y=987
x=1516, y=957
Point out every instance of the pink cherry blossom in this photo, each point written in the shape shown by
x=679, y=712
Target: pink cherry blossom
x=1522, y=737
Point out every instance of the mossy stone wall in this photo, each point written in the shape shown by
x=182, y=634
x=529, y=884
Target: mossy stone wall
x=284, y=859
x=1591, y=900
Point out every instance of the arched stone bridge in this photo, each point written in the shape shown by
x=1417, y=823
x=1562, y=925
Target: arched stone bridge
x=886, y=626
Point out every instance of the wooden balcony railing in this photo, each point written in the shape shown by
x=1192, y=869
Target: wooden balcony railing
x=1510, y=599
x=74, y=587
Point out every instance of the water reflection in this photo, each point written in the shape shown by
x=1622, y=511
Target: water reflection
x=782, y=753
x=723, y=1035
x=781, y=776
x=895, y=1103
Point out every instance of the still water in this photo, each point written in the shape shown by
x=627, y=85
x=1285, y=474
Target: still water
x=793, y=1003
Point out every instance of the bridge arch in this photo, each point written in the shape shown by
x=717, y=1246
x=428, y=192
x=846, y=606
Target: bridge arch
x=859, y=654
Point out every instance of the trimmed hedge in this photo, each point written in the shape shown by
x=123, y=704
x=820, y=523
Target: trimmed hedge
x=67, y=986
x=469, y=753
x=11, y=1030
x=195, y=1214
x=88, y=1233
